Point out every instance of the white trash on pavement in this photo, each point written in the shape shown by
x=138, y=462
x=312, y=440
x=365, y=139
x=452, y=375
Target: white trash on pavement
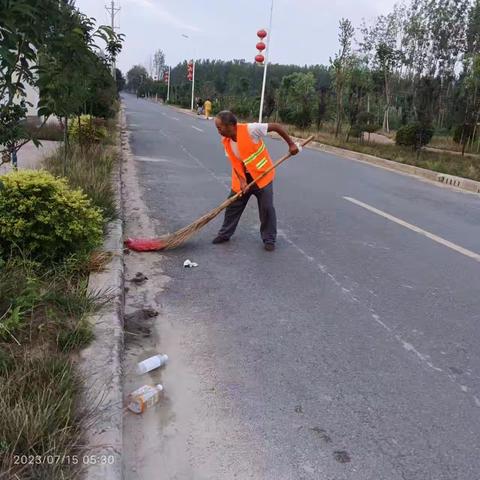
x=189, y=264
x=151, y=363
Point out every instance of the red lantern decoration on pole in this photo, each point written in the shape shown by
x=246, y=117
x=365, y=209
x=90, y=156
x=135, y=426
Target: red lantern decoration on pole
x=166, y=79
x=263, y=60
x=261, y=34
x=190, y=71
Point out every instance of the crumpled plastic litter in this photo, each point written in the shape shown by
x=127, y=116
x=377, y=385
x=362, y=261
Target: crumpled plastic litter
x=189, y=264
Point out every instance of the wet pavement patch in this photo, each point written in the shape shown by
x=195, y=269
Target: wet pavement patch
x=139, y=323
x=341, y=456
x=322, y=434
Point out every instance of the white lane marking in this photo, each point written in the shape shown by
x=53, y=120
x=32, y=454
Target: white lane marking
x=424, y=358
x=152, y=159
x=196, y=128
x=164, y=114
x=175, y=118
x=352, y=298
x=200, y=164
x=414, y=228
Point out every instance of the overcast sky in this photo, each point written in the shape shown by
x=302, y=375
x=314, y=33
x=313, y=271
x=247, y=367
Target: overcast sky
x=303, y=32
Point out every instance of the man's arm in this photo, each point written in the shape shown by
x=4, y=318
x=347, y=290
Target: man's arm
x=275, y=127
x=239, y=170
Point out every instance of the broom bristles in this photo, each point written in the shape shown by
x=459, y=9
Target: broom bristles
x=168, y=242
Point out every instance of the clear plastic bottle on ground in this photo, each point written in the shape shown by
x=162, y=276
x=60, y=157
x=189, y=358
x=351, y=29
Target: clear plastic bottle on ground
x=151, y=363
x=144, y=397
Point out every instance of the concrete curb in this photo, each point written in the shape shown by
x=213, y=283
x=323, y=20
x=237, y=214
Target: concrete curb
x=440, y=179
x=101, y=361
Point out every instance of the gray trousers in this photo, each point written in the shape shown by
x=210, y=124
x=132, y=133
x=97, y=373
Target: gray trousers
x=266, y=210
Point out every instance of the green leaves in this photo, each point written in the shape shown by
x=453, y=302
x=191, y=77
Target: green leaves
x=53, y=39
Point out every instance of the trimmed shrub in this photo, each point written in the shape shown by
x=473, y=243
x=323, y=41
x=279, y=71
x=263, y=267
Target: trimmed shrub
x=414, y=135
x=88, y=131
x=366, y=122
x=42, y=216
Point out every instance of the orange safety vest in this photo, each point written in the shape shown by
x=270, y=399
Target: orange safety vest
x=254, y=157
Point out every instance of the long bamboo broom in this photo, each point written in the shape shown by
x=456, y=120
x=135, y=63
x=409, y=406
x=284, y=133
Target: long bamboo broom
x=180, y=236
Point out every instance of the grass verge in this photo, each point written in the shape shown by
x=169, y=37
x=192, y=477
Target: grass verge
x=43, y=321
x=451, y=164
x=44, y=310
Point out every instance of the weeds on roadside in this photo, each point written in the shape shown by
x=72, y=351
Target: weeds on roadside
x=43, y=319
x=89, y=168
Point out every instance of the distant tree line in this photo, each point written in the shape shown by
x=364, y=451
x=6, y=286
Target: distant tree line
x=418, y=66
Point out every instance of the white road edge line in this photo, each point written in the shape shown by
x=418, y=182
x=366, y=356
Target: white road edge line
x=431, y=236
x=196, y=128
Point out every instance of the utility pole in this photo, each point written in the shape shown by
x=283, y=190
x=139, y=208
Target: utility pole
x=267, y=54
x=112, y=10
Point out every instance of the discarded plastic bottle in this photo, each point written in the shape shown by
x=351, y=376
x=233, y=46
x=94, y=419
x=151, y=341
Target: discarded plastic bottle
x=144, y=397
x=151, y=363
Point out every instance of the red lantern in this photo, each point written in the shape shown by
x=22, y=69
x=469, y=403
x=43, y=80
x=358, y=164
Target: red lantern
x=259, y=58
x=261, y=46
x=261, y=34
x=190, y=70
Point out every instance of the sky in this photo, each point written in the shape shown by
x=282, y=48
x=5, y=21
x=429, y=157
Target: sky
x=304, y=32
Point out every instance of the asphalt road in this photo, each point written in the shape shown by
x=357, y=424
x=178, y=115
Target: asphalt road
x=352, y=351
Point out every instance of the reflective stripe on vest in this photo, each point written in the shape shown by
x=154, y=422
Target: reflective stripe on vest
x=253, y=156
x=261, y=163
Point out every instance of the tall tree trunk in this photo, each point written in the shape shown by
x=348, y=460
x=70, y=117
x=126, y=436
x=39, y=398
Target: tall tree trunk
x=339, y=110
x=386, y=126
x=65, y=146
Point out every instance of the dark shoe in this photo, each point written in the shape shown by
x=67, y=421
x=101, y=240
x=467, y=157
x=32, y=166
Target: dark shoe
x=269, y=247
x=220, y=240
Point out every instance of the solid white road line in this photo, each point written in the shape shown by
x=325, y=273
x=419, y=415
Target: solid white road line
x=196, y=128
x=414, y=228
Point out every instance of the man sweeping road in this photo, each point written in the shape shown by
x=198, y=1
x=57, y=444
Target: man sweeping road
x=250, y=158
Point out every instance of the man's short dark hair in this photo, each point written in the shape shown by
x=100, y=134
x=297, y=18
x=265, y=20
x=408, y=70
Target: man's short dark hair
x=227, y=117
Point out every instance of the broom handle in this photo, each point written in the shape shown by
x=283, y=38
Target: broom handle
x=268, y=170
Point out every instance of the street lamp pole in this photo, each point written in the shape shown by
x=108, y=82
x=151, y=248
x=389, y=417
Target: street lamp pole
x=168, y=87
x=267, y=54
x=193, y=83
x=193, y=75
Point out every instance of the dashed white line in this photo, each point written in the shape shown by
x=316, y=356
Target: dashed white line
x=175, y=118
x=196, y=128
x=414, y=228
